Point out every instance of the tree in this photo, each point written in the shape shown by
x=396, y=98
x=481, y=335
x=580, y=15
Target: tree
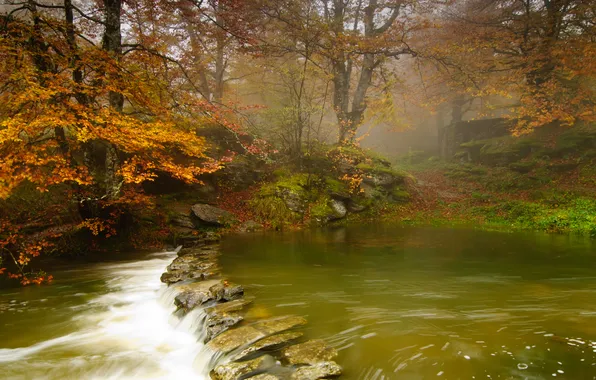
x=540, y=53
x=351, y=40
x=90, y=116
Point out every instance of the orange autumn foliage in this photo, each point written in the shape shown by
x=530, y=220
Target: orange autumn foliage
x=536, y=56
x=92, y=120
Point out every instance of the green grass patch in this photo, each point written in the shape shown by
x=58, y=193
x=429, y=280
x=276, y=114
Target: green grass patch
x=577, y=216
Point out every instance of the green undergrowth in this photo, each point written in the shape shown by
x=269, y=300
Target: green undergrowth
x=344, y=174
x=577, y=216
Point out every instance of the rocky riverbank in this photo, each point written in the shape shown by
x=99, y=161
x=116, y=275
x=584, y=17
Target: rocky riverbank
x=242, y=347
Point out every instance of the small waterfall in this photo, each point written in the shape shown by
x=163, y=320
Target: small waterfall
x=128, y=332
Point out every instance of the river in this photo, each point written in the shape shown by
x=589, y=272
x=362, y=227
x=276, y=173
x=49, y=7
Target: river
x=395, y=302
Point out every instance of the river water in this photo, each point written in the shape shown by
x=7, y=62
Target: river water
x=407, y=303
x=419, y=303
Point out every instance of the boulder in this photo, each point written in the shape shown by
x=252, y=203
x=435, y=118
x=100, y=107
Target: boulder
x=273, y=342
x=356, y=207
x=321, y=370
x=210, y=215
x=379, y=179
x=369, y=191
x=242, y=336
x=338, y=208
x=241, y=370
x=311, y=352
x=294, y=200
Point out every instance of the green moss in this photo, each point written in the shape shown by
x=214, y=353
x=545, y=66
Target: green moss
x=320, y=210
x=296, y=183
x=381, y=169
x=400, y=195
x=336, y=186
x=273, y=210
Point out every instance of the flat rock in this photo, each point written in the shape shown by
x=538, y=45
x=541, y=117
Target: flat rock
x=311, y=352
x=242, y=336
x=321, y=370
x=195, y=294
x=190, y=267
x=232, y=339
x=222, y=316
x=276, y=325
x=218, y=323
x=272, y=342
x=174, y=276
x=229, y=307
x=207, y=214
x=191, y=262
x=225, y=291
x=207, y=252
x=240, y=370
x=198, y=293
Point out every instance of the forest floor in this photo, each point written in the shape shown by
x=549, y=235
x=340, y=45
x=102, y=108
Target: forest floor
x=557, y=197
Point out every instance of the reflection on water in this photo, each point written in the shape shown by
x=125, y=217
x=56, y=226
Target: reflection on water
x=101, y=322
x=422, y=303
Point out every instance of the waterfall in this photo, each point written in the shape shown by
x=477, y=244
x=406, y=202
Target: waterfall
x=126, y=331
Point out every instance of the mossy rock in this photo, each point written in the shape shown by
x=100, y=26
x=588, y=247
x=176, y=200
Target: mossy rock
x=328, y=209
x=576, y=139
x=500, y=150
x=273, y=209
x=337, y=189
x=400, y=195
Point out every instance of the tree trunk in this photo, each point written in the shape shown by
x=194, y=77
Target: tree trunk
x=112, y=43
x=220, y=61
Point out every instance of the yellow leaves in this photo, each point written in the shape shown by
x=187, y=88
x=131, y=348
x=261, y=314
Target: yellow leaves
x=99, y=226
x=135, y=171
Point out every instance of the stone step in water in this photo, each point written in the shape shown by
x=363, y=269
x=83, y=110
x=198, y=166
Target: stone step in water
x=264, y=349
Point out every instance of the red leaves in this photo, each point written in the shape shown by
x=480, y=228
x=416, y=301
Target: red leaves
x=37, y=278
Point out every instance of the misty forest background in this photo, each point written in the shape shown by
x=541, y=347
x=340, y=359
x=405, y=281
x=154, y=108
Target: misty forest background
x=139, y=123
